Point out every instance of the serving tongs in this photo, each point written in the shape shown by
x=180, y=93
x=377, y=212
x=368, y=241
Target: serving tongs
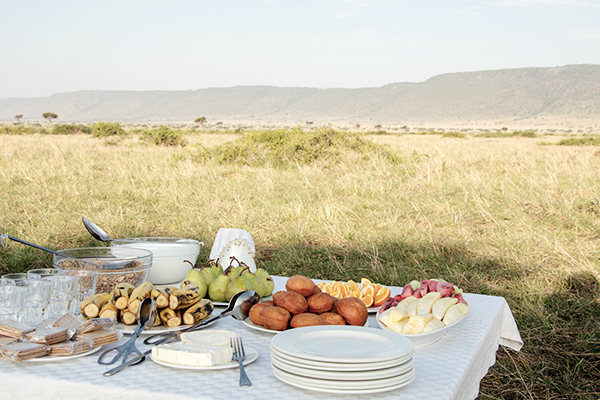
x=107, y=265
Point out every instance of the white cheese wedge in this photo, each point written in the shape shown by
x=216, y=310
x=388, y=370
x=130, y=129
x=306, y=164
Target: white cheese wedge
x=424, y=306
x=433, y=325
x=392, y=315
x=197, y=349
x=442, y=305
x=416, y=324
x=455, y=313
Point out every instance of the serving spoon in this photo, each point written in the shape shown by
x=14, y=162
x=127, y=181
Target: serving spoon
x=95, y=230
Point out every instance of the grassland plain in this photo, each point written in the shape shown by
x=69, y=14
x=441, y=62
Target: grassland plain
x=499, y=216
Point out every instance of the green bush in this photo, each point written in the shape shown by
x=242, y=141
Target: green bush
x=107, y=129
x=70, y=129
x=581, y=141
x=163, y=136
x=22, y=130
x=281, y=148
x=459, y=135
x=527, y=134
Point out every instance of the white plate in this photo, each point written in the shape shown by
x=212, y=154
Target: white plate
x=323, y=386
x=251, y=356
x=248, y=322
x=346, y=344
x=222, y=304
x=64, y=358
x=129, y=329
x=343, y=375
x=328, y=366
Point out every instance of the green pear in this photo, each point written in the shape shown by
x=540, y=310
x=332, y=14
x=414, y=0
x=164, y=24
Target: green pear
x=207, y=274
x=238, y=284
x=266, y=280
x=217, y=288
x=257, y=285
x=195, y=276
x=216, y=270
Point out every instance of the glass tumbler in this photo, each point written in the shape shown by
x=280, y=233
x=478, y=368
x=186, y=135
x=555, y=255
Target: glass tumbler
x=86, y=286
x=64, y=293
x=42, y=273
x=11, y=301
x=36, y=300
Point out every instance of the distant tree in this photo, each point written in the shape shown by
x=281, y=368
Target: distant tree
x=309, y=122
x=49, y=116
x=219, y=123
x=378, y=126
x=200, y=121
x=504, y=129
x=18, y=118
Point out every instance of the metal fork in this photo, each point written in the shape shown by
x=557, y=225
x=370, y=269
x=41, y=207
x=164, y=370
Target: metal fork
x=239, y=355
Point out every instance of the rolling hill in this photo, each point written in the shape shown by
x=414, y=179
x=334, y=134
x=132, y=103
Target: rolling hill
x=562, y=97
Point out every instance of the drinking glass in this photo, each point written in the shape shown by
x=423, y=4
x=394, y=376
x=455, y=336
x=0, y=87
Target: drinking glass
x=11, y=301
x=17, y=277
x=42, y=272
x=36, y=301
x=86, y=286
x=64, y=293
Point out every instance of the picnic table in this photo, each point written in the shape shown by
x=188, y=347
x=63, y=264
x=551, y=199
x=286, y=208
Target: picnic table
x=451, y=368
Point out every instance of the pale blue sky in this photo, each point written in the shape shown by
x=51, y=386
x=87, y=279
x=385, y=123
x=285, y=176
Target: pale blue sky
x=58, y=46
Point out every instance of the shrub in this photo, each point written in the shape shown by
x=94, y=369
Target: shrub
x=282, y=147
x=107, y=129
x=459, y=135
x=70, y=129
x=582, y=141
x=163, y=136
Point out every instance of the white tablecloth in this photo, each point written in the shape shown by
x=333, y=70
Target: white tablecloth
x=448, y=369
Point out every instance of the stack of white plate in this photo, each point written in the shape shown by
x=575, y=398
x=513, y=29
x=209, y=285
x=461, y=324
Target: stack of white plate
x=342, y=359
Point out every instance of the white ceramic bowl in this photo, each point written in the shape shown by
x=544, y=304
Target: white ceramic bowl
x=425, y=339
x=172, y=258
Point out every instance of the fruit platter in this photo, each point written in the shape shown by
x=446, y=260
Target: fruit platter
x=424, y=311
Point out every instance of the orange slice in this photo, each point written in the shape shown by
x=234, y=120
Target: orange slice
x=327, y=288
x=365, y=282
x=368, y=290
x=337, y=295
x=377, y=287
x=355, y=293
x=367, y=299
x=352, y=285
x=381, y=296
x=344, y=290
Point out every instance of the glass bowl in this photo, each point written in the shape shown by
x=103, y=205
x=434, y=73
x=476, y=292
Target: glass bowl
x=128, y=265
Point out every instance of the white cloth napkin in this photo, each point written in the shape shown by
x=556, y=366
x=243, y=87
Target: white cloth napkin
x=225, y=236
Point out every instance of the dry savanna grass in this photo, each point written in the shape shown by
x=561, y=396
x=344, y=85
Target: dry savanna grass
x=514, y=217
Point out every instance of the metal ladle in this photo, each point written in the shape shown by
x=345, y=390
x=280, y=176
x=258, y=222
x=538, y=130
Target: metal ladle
x=108, y=265
x=95, y=230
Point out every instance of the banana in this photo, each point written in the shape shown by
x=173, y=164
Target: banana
x=161, y=297
x=127, y=317
x=198, y=312
x=108, y=310
x=138, y=295
x=120, y=295
x=184, y=297
x=169, y=317
x=90, y=307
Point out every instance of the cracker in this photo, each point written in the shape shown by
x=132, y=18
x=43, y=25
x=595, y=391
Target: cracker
x=100, y=337
x=14, y=329
x=23, y=351
x=70, y=348
x=94, y=324
x=48, y=336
